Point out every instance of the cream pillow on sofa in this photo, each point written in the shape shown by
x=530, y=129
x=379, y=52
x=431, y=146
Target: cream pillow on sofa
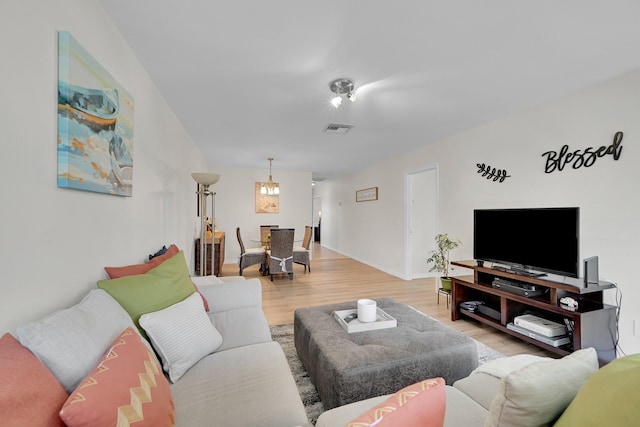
x=538, y=393
x=182, y=334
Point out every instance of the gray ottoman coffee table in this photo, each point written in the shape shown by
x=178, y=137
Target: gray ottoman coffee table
x=347, y=367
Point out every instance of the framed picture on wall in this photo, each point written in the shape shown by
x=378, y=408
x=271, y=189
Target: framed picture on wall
x=367, y=195
x=266, y=203
x=95, y=124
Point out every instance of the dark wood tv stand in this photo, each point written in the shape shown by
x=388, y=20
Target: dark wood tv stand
x=594, y=321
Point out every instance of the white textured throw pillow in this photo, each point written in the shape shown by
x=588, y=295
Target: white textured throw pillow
x=182, y=334
x=538, y=393
x=70, y=342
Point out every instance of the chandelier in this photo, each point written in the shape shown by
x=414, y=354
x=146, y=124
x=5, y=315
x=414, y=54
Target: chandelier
x=270, y=188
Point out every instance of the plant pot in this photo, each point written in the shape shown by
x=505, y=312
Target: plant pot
x=446, y=283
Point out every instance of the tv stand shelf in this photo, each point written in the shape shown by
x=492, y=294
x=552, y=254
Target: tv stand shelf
x=594, y=321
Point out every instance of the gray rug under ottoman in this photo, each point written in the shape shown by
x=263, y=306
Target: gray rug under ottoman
x=347, y=367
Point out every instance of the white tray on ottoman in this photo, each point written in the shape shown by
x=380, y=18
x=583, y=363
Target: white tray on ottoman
x=383, y=321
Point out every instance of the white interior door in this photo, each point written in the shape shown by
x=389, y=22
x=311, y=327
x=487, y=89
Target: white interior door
x=422, y=207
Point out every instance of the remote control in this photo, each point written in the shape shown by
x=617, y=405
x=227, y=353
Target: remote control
x=350, y=317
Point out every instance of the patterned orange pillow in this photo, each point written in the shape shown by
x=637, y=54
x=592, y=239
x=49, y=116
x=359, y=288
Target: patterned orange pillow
x=127, y=387
x=420, y=405
x=29, y=393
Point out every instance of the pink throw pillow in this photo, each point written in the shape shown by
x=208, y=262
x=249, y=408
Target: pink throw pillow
x=419, y=405
x=132, y=270
x=127, y=387
x=29, y=393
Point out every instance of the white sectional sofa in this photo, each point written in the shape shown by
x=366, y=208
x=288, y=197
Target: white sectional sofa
x=246, y=381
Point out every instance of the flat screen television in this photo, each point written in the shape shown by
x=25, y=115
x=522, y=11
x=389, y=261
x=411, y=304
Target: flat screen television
x=529, y=240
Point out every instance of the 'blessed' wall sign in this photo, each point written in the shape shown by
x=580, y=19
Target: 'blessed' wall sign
x=557, y=160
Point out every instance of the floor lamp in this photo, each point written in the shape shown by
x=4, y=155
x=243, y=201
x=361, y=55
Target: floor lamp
x=205, y=180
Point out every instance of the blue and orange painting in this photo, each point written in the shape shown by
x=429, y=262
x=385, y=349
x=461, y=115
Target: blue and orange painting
x=95, y=124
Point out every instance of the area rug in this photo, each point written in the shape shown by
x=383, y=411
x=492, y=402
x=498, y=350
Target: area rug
x=283, y=334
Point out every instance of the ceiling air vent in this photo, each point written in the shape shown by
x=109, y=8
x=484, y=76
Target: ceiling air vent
x=337, y=128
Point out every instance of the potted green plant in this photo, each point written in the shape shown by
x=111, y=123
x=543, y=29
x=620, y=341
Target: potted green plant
x=440, y=258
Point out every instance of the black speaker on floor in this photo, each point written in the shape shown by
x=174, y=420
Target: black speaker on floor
x=591, y=272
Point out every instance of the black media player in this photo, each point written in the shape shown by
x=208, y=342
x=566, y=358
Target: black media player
x=522, y=289
x=489, y=312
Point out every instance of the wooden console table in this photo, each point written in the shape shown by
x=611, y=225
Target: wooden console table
x=594, y=321
x=219, y=254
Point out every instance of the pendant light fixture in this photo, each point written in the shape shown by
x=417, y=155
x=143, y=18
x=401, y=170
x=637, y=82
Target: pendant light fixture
x=270, y=188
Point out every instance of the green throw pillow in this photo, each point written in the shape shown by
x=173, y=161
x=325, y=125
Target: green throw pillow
x=155, y=290
x=608, y=398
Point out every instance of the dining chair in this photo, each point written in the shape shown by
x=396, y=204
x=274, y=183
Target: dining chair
x=281, y=253
x=265, y=231
x=250, y=256
x=301, y=253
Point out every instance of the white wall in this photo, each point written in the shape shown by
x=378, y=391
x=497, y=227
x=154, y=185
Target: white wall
x=235, y=205
x=607, y=192
x=55, y=242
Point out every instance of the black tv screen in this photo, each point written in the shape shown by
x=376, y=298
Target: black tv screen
x=529, y=239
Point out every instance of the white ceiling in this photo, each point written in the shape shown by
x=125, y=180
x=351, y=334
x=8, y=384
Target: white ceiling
x=250, y=79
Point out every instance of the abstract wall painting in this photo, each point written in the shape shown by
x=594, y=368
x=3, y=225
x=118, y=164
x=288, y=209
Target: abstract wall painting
x=95, y=124
x=266, y=203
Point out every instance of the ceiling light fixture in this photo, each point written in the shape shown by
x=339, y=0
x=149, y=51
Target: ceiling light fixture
x=270, y=188
x=341, y=87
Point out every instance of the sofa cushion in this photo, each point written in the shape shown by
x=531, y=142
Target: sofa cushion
x=485, y=381
x=253, y=386
x=155, y=290
x=462, y=410
x=126, y=387
x=480, y=387
x=30, y=395
x=420, y=404
x=609, y=397
x=241, y=326
x=136, y=269
x=502, y=367
x=182, y=334
x=538, y=393
x=206, y=280
x=232, y=293
x=70, y=342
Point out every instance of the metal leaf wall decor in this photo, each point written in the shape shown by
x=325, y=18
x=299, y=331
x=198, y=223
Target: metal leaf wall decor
x=498, y=175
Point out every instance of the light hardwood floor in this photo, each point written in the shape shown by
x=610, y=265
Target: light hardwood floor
x=336, y=278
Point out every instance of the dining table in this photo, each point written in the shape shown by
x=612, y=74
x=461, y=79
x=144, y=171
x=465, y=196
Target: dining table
x=267, y=243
